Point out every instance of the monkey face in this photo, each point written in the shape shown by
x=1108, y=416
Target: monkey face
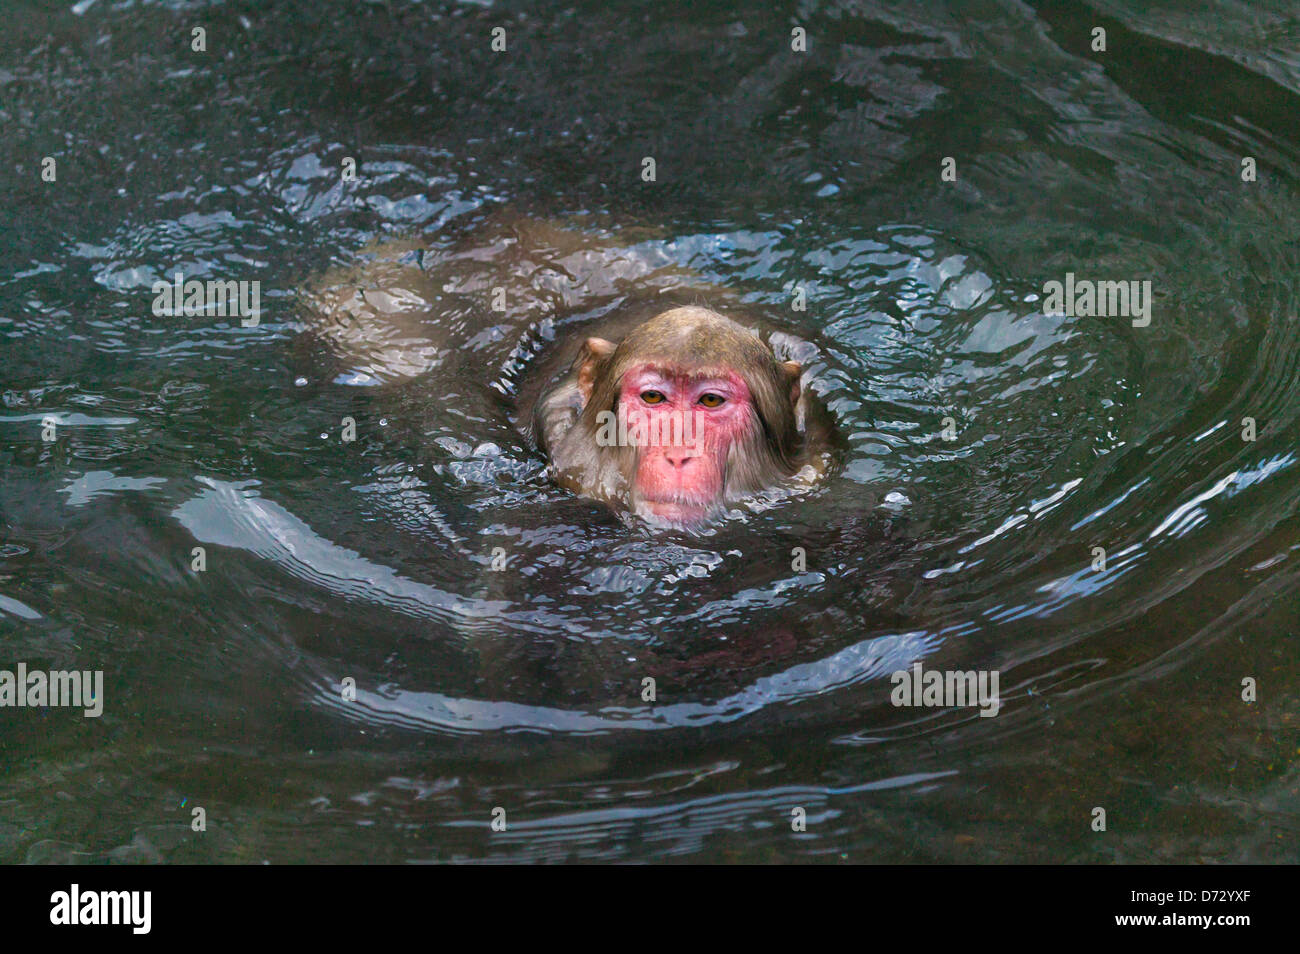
x=691, y=411
x=683, y=426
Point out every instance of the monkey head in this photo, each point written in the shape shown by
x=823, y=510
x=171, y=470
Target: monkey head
x=690, y=411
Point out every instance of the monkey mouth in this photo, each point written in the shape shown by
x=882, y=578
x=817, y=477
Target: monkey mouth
x=675, y=511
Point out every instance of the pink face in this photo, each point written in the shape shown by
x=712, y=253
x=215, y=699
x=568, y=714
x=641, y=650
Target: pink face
x=684, y=425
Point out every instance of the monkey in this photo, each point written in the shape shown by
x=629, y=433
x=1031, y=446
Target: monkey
x=689, y=412
x=661, y=408
x=595, y=319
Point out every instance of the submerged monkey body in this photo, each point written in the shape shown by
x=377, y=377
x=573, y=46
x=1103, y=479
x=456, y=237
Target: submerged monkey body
x=668, y=413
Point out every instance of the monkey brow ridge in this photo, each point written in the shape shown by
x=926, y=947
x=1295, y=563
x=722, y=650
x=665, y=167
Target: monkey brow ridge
x=693, y=373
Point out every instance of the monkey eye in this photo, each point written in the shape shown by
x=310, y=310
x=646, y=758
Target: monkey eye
x=652, y=397
x=710, y=399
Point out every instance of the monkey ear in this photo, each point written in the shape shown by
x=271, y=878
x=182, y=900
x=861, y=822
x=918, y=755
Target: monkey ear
x=791, y=371
x=593, y=354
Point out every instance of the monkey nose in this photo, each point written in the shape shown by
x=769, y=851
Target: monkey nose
x=678, y=457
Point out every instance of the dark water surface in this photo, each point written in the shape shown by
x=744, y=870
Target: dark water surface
x=521, y=689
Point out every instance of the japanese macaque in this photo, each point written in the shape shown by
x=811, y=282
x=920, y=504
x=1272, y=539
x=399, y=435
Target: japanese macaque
x=688, y=413
x=667, y=413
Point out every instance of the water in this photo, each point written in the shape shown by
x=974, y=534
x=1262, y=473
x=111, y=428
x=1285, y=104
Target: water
x=521, y=689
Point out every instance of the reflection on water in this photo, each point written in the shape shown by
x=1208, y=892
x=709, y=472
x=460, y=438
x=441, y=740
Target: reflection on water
x=1104, y=514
